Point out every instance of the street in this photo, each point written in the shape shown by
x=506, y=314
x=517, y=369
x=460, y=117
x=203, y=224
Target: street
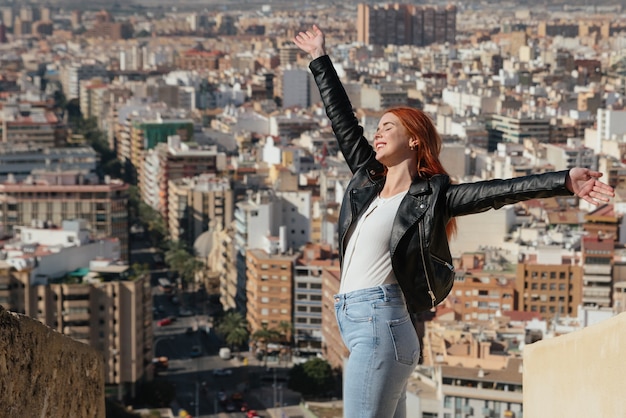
x=192, y=348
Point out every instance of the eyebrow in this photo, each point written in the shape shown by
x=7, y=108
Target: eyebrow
x=386, y=123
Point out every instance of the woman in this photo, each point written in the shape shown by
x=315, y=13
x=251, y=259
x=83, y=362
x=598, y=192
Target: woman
x=394, y=224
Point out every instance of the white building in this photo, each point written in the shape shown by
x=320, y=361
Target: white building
x=73, y=73
x=52, y=253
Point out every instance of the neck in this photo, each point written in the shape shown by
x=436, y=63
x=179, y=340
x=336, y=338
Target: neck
x=398, y=179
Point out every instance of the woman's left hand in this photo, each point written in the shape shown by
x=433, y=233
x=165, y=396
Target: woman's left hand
x=584, y=183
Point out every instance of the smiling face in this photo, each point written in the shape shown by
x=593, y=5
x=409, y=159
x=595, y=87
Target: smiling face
x=392, y=141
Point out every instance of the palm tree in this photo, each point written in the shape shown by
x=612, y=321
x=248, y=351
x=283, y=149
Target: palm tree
x=234, y=328
x=178, y=258
x=285, y=328
x=286, y=331
x=265, y=336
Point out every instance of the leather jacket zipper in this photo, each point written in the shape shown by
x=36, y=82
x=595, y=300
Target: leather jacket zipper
x=445, y=263
x=433, y=299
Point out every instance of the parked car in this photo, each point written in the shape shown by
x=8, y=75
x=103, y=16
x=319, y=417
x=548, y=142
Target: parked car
x=225, y=353
x=163, y=322
x=196, y=351
x=222, y=372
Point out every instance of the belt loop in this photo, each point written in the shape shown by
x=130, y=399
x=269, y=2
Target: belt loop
x=385, y=292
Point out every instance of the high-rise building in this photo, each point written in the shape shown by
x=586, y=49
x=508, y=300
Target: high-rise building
x=73, y=73
x=147, y=133
x=38, y=128
x=298, y=89
x=550, y=290
x=7, y=16
x=269, y=289
x=78, y=287
x=598, y=250
x=515, y=129
x=105, y=27
x=198, y=204
x=222, y=260
x=333, y=347
x=307, y=296
x=19, y=162
x=53, y=197
x=403, y=24
x=172, y=161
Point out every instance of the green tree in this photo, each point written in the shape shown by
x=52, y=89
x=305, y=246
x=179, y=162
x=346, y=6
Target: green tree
x=233, y=327
x=138, y=270
x=183, y=261
x=285, y=328
x=312, y=379
x=265, y=336
x=153, y=222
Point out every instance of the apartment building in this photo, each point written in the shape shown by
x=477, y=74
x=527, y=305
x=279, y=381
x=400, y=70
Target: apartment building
x=570, y=155
x=222, y=261
x=25, y=125
x=17, y=163
x=106, y=28
x=598, y=250
x=51, y=198
x=515, y=129
x=552, y=290
x=199, y=204
x=143, y=132
x=404, y=24
x=480, y=295
x=78, y=287
x=333, y=347
x=269, y=289
x=112, y=313
x=172, y=161
x=307, y=296
x=93, y=96
x=199, y=60
x=72, y=73
x=298, y=89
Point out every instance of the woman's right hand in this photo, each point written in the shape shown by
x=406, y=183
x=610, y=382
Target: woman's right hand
x=312, y=42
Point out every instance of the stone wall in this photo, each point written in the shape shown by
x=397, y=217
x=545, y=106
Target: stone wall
x=579, y=374
x=44, y=374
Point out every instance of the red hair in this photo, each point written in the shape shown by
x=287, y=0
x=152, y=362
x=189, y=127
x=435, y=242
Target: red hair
x=420, y=126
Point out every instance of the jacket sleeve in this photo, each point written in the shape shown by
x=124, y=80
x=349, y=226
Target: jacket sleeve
x=469, y=198
x=354, y=147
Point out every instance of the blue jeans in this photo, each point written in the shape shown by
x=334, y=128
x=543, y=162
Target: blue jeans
x=384, y=350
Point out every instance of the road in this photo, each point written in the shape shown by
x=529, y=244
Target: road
x=197, y=388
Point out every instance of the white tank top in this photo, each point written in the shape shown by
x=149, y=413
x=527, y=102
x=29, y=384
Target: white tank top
x=367, y=261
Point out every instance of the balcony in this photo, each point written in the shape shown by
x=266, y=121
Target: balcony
x=597, y=269
x=592, y=388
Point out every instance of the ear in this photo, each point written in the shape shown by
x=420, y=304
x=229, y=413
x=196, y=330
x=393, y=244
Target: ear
x=413, y=143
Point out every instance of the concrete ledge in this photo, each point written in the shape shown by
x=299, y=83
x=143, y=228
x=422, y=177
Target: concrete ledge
x=579, y=374
x=44, y=374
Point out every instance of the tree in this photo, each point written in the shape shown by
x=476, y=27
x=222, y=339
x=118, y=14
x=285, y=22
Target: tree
x=286, y=328
x=182, y=261
x=265, y=336
x=153, y=222
x=312, y=379
x=233, y=327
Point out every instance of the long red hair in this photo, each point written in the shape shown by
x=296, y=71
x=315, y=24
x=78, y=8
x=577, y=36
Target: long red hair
x=420, y=126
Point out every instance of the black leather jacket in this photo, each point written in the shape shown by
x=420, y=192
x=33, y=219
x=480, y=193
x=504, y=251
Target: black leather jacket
x=419, y=249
